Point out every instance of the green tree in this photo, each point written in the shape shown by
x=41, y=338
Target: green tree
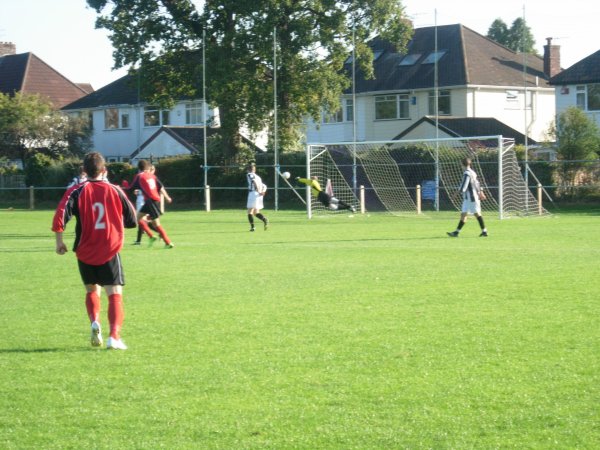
x=518, y=37
x=578, y=140
x=498, y=31
x=29, y=124
x=313, y=39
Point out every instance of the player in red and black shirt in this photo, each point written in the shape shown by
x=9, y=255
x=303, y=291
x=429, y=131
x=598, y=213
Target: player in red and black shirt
x=102, y=211
x=152, y=189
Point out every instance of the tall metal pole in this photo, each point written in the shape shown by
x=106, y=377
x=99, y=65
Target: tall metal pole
x=354, y=181
x=436, y=106
x=204, y=112
x=275, y=142
x=526, y=193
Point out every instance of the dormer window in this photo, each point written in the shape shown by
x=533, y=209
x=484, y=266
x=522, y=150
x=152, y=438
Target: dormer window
x=410, y=60
x=434, y=57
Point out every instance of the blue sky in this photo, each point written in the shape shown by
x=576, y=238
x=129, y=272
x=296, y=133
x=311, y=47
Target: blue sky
x=62, y=33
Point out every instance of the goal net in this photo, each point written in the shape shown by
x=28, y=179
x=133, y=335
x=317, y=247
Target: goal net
x=410, y=176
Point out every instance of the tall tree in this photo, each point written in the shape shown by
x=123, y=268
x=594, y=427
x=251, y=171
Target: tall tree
x=578, y=140
x=498, y=31
x=29, y=124
x=313, y=39
x=518, y=37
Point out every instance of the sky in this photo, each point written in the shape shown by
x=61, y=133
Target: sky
x=62, y=32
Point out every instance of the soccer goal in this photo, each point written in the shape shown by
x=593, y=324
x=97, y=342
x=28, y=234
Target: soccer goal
x=411, y=176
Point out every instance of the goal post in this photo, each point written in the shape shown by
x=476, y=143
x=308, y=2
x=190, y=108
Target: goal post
x=394, y=173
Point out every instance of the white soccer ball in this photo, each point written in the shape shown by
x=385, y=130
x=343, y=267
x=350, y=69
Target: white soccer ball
x=286, y=175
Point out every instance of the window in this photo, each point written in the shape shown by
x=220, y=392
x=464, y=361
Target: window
x=111, y=119
x=391, y=107
x=194, y=113
x=344, y=114
x=512, y=96
x=443, y=103
x=410, y=60
x=154, y=117
x=593, y=97
x=580, y=90
x=349, y=109
x=434, y=57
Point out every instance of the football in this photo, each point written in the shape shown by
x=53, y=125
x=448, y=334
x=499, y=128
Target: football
x=286, y=175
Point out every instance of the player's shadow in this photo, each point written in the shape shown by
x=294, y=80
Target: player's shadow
x=42, y=350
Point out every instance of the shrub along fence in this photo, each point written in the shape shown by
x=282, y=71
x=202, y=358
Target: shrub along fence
x=564, y=183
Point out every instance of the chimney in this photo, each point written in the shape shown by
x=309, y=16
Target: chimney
x=551, y=58
x=7, y=48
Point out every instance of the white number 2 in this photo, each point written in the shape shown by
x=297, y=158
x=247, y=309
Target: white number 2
x=99, y=209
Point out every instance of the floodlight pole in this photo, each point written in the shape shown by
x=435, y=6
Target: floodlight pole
x=275, y=143
x=204, y=113
x=436, y=106
x=525, y=114
x=354, y=182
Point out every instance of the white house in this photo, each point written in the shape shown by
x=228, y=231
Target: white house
x=123, y=125
x=579, y=86
x=475, y=78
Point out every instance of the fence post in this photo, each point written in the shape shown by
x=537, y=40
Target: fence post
x=539, y=198
x=418, y=195
x=207, y=197
x=31, y=198
x=362, y=199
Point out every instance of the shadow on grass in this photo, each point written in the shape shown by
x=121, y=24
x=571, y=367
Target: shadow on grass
x=9, y=351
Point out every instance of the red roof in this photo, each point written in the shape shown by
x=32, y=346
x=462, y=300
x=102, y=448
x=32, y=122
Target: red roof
x=28, y=74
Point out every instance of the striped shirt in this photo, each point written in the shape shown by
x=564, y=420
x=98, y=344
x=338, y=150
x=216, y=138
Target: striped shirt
x=470, y=187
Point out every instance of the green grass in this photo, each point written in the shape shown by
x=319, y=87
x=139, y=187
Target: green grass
x=365, y=332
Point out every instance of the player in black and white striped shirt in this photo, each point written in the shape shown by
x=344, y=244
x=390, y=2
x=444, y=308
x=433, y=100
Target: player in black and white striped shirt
x=471, y=194
x=256, y=192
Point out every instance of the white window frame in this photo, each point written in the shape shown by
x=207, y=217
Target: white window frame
x=162, y=115
x=194, y=113
x=444, y=95
x=344, y=114
x=401, y=106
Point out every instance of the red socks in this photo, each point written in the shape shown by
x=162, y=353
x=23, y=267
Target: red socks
x=116, y=314
x=92, y=304
x=144, y=226
x=163, y=234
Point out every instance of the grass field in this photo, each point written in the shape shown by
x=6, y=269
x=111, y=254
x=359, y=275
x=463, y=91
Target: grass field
x=364, y=332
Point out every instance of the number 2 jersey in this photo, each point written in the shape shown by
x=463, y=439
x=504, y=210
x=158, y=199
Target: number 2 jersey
x=102, y=211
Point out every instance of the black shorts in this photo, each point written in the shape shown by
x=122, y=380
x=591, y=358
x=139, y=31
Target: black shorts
x=108, y=274
x=152, y=208
x=324, y=198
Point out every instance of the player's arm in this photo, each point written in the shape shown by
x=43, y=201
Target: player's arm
x=465, y=183
x=305, y=181
x=63, y=214
x=61, y=248
x=129, y=212
x=164, y=193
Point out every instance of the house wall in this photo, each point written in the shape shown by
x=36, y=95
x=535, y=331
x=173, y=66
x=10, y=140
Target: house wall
x=465, y=102
x=566, y=97
x=488, y=102
x=118, y=144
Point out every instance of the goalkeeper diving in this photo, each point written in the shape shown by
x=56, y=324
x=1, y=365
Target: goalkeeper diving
x=329, y=201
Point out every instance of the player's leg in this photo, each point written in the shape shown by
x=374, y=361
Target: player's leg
x=251, y=218
x=143, y=224
x=461, y=224
x=89, y=276
x=113, y=280
x=484, y=232
x=161, y=231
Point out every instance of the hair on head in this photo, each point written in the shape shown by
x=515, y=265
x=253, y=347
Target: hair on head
x=93, y=164
x=143, y=165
